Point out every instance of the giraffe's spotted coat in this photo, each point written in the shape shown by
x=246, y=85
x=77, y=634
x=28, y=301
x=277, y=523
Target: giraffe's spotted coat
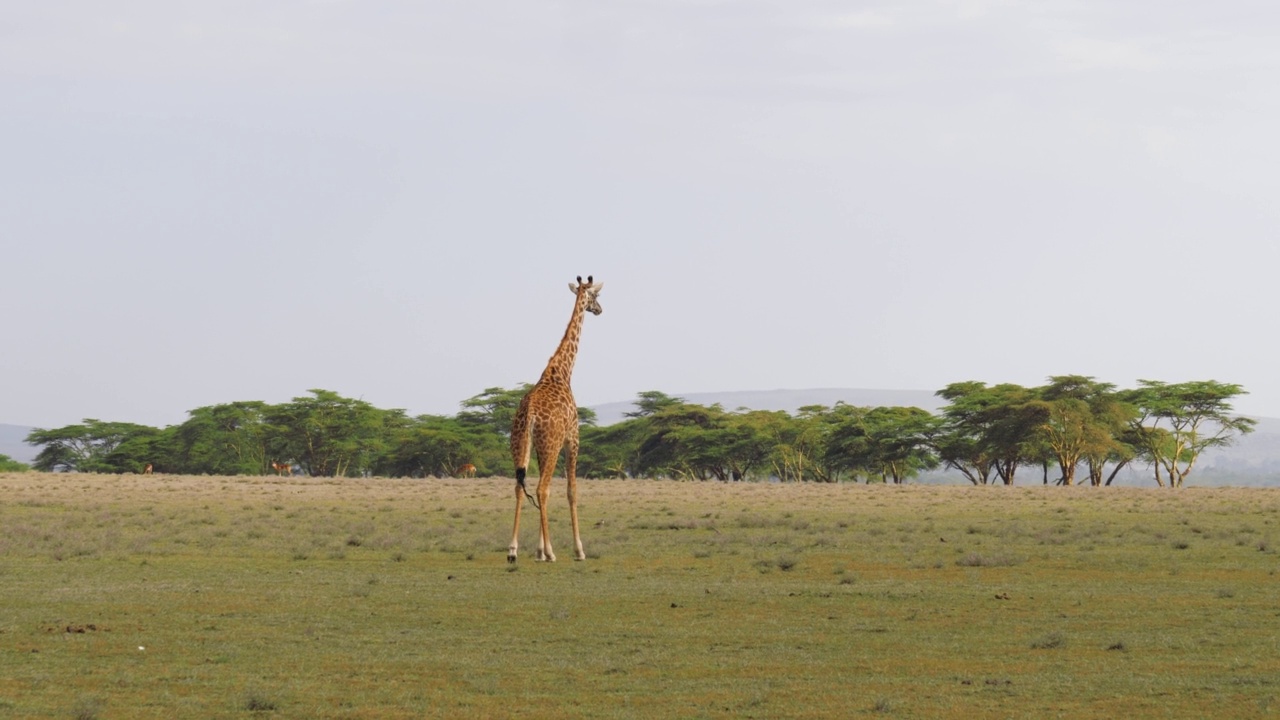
x=547, y=421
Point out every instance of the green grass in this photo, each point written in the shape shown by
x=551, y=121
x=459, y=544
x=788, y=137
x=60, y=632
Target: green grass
x=274, y=597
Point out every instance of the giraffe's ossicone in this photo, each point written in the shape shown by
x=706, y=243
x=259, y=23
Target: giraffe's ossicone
x=547, y=422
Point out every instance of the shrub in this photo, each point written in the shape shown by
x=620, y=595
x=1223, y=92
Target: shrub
x=8, y=464
x=978, y=560
x=257, y=701
x=87, y=708
x=1049, y=642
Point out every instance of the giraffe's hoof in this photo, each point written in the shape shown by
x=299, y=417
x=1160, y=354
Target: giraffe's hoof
x=511, y=557
x=580, y=556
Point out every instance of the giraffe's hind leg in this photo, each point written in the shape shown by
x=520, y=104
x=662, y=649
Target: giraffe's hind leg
x=548, y=453
x=515, y=532
x=571, y=472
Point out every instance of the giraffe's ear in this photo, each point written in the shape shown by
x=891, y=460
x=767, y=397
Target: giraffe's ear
x=573, y=288
x=597, y=287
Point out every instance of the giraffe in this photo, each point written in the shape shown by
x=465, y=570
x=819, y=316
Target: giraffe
x=467, y=471
x=547, y=421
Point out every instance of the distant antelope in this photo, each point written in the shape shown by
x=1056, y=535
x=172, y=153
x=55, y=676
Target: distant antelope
x=467, y=471
x=147, y=469
x=282, y=468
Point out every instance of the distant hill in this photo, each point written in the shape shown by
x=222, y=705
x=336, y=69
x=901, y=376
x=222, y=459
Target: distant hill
x=11, y=443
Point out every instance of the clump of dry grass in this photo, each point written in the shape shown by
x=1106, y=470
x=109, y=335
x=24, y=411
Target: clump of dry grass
x=1051, y=641
x=974, y=559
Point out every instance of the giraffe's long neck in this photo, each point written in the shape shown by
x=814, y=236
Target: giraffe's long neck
x=560, y=366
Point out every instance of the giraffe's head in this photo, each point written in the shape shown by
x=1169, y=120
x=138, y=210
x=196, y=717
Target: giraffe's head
x=592, y=290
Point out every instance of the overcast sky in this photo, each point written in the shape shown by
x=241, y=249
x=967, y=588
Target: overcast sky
x=215, y=201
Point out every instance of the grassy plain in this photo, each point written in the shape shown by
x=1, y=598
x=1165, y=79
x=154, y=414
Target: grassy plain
x=166, y=596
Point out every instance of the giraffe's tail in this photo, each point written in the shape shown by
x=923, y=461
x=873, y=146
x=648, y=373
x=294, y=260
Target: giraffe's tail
x=520, y=484
x=521, y=444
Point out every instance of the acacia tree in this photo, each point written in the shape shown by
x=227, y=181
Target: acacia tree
x=1177, y=422
x=616, y=450
x=892, y=443
x=437, y=446
x=611, y=451
x=679, y=441
x=1081, y=420
x=329, y=435
x=694, y=436
x=987, y=429
x=800, y=452
x=1126, y=447
x=1011, y=431
x=93, y=446
x=227, y=439
x=650, y=402
x=494, y=408
x=750, y=439
x=961, y=450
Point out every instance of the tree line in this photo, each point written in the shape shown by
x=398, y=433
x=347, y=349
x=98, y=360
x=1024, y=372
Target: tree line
x=1071, y=430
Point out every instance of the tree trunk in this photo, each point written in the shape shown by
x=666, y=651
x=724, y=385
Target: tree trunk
x=1112, y=476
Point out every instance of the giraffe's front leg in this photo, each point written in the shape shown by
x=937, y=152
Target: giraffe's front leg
x=571, y=470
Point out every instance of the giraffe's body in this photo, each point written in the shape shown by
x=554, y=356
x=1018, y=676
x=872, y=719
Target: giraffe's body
x=547, y=421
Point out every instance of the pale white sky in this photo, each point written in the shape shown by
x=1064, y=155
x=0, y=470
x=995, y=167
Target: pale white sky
x=215, y=201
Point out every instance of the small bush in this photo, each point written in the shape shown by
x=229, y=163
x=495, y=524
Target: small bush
x=1049, y=642
x=8, y=464
x=258, y=702
x=87, y=708
x=979, y=560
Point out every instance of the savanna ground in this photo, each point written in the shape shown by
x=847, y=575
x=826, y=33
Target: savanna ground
x=167, y=596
